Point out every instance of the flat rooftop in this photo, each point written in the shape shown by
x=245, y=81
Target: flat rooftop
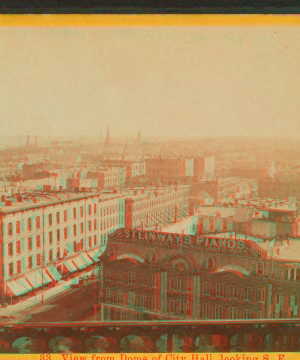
x=36, y=199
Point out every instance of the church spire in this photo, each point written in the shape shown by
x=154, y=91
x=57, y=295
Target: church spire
x=107, y=136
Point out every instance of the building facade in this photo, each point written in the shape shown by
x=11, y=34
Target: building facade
x=156, y=207
x=154, y=275
x=47, y=235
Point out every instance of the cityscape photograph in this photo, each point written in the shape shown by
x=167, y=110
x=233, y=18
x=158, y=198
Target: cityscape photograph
x=150, y=189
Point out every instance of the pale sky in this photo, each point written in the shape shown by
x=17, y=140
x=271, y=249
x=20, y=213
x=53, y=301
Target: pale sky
x=199, y=81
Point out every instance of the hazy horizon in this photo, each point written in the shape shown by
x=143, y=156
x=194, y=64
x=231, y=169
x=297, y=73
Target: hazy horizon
x=166, y=82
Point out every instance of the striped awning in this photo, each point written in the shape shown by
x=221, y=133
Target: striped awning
x=25, y=283
x=15, y=288
x=53, y=273
x=35, y=278
x=47, y=278
x=94, y=254
x=79, y=262
x=86, y=258
x=70, y=265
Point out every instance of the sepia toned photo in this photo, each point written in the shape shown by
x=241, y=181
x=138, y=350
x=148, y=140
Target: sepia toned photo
x=150, y=189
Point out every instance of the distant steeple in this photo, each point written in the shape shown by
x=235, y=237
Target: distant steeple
x=107, y=136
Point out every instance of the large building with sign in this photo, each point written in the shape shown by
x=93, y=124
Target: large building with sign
x=155, y=275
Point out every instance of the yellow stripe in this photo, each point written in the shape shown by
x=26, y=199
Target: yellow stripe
x=149, y=20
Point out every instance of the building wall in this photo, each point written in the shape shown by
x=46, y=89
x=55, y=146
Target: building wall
x=162, y=283
x=141, y=211
x=262, y=228
x=84, y=224
x=278, y=189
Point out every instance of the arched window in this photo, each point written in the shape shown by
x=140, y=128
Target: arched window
x=211, y=264
x=38, y=222
x=10, y=228
x=50, y=219
x=232, y=313
x=253, y=269
x=233, y=291
x=18, y=227
x=29, y=224
x=113, y=252
x=247, y=293
x=292, y=274
x=57, y=218
x=260, y=268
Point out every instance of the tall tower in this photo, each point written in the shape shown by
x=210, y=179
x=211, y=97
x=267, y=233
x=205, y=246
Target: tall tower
x=107, y=136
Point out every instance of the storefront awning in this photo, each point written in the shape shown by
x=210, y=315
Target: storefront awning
x=86, y=258
x=15, y=288
x=70, y=266
x=25, y=283
x=54, y=273
x=79, y=262
x=35, y=279
x=47, y=278
x=93, y=254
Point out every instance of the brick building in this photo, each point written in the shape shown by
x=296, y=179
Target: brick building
x=154, y=275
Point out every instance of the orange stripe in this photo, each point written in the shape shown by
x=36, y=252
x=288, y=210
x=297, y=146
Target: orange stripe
x=149, y=20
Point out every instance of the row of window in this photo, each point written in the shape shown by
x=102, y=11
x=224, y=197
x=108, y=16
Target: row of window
x=131, y=299
x=133, y=278
x=51, y=255
x=232, y=313
x=232, y=292
x=20, y=245
x=112, y=209
x=291, y=274
x=160, y=201
x=66, y=234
